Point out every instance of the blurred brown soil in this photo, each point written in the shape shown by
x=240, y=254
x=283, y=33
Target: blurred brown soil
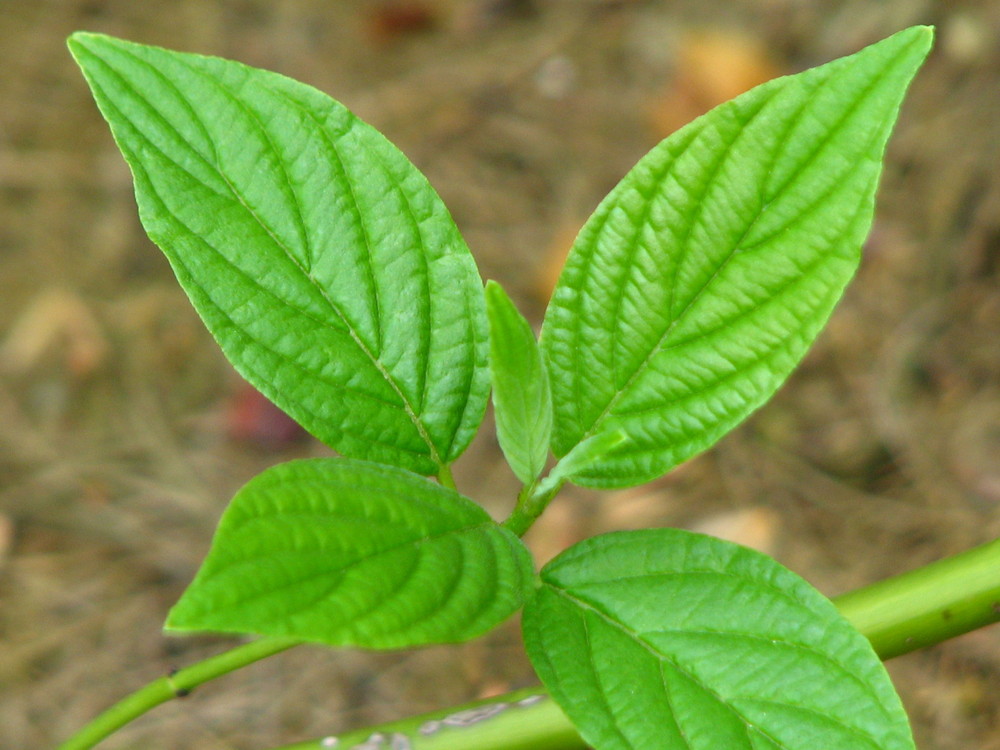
x=117, y=444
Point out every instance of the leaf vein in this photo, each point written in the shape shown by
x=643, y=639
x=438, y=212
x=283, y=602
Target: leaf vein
x=663, y=657
x=684, y=246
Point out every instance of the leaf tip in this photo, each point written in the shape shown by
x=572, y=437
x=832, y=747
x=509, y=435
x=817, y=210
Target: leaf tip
x=175, y=622
x=186, y=616
x=81, y=40
x=77, y=41
x=495, y=293
x=84, y=43
x=921, y=38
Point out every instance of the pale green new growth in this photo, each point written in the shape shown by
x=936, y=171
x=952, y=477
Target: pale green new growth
x=579, y=461
x=350, y=553
x=521, y=396
x=677, y=641
x=701, y=280
x=321, y=260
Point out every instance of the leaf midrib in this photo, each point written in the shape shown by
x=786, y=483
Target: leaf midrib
x=665, y=658
x=462, y=533
x=352, y=332
x=658, y=347
x=264, y=345
x=376, y=362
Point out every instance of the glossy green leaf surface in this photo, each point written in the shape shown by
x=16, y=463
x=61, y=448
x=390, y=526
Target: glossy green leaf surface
x=321, y=260
x=521, y=396
x=668, y=640
x=701, y=280
x=350, y=553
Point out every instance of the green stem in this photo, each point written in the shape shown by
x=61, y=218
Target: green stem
x=523, y=720
x=446, y=478
x=175, y=685
x=530, y=503
x=926, y=606
x=536, y=498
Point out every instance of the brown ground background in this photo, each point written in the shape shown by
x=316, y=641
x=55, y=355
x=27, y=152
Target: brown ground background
x=123, y=431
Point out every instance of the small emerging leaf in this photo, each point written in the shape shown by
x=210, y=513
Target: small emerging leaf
x=701, y=280
x=521, y=394
x=349, y=553
x=322, y=261
x=668, y=640
x=579, y=460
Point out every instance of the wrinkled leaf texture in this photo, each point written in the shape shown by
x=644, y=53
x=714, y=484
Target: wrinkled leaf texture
x=668, y=640
x=701, y=280
x=351, y=553
x=321, y=260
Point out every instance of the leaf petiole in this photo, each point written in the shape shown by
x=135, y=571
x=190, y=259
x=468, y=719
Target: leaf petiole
x=175, y=685
x=446, y=478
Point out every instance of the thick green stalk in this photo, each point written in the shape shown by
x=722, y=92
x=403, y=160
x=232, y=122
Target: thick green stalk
x=523, y=720
x=930, y=604
x=175, y=685
x=926, y=606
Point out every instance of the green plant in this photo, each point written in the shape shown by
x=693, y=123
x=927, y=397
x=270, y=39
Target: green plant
x=335, y=281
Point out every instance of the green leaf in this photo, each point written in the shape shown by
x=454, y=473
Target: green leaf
x=321, y=260
x=701, y=280
x=350, y=553
x=581, y=458
x=664, y=639
x=521, y=395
